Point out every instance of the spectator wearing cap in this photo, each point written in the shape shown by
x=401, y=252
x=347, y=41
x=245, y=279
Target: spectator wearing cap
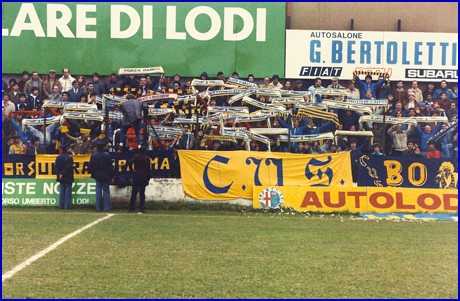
x=49, y=83
x=23, y=81
x=425, y=110
x=368, y=85
x=352, y=92
x=298, y=85
x=81, y=145
x=335, y=84
x=66, y=80
x=101, y=169
x=411, y=103
x=63, y=169
x=376, y=151
x=418, y=94
x=14, y=93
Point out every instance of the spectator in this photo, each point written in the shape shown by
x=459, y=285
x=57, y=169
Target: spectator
x=412, y=150
x=298, y=85
x=432, y=152
x=8, y=104
x=55, y=95
x=287, y=85
x=99, y=85
x=437, y=93
x=34, y=82
x=275, y=84
x=425, y=136
x=266, y=83
x=75, y=93
x=131, y=110
x=17, y=148
x=23, y=81
x=66, y=80
x=368, y=85
x=418, y=94
x=312, y=88
x=7, y=143
x=429, y=90
x=376, y=151
x=352, y=92
x=34, y=100
x=14, y=93
x=383, y=91
x=48, y=85
x=35, y=148
x=112, y=85
x=335, y=84
x=176, y=78
x=399, y=138
x=399, y=93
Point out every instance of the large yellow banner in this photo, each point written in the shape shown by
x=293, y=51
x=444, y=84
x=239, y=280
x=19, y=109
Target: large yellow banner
x=209, y=175
x=44, y=166
x=357, y=199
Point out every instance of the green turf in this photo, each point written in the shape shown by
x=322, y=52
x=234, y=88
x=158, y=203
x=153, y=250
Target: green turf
x=199, y=254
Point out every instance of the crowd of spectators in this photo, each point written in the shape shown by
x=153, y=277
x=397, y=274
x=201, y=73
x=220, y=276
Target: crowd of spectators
x=25, y=98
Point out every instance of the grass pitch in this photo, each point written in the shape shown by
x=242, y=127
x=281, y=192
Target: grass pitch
x=199, y=254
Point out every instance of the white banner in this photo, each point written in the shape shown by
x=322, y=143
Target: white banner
x=403, y=55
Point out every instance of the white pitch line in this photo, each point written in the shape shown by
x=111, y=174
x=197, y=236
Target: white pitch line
x=19, y=267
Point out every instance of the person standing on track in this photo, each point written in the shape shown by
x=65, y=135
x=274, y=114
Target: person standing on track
x=140, y=165
x=101, y=169
x=63, y=169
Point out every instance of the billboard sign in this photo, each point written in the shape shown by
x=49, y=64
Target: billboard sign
x=186, y=38
x=405, y=56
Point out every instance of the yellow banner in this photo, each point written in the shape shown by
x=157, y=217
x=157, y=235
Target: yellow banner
x=209, y=175
x=44, y=166
x=357, y=199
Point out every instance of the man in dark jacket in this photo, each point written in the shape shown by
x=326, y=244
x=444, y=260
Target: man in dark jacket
x=63, y=169
x=140, y=165
x=101, y=169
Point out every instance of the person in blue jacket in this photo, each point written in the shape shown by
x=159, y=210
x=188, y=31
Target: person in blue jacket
x=368, y=85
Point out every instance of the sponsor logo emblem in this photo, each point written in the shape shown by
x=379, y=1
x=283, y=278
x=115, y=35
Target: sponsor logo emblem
x=271, y=198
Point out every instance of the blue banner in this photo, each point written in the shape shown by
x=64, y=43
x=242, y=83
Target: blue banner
x=407, y=172
x=41, y=166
